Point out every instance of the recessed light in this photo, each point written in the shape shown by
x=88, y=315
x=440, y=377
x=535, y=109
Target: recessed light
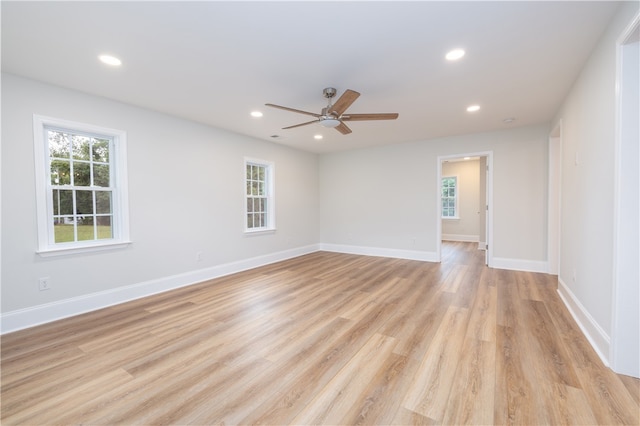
x=473, y=108
x=467, y=158
x=454, y=54
x=110, y=60
x=317, y=137
x=256, y=114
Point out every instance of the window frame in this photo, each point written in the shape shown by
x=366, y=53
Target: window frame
x=270, y=222
x=44, y=189
x=456, y=215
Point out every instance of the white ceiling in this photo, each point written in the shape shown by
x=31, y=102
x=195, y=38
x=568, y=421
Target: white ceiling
x=215, y=62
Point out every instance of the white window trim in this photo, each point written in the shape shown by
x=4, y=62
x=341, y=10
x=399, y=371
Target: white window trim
x=271, y=209
x=457, y=216
x=44, y=204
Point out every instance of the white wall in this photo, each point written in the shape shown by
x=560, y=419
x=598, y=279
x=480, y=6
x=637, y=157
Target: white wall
x=625, y=333
x=467, y=226
x=186, y=195
x=588, y=167
x=385, y=197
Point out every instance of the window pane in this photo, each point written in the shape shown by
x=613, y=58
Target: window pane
x=63, y=233
x=103, y=202
x=261, y=188
x=262, y=204
x=80, y=147
x=101, y=175
x=104, y=227
x=60, y=172
x=81, y=174
x=58, y=144
x=248, y=172
x=250, y=220
x=84, y=203
x=86, y=230
x=100, y=150
x=254, y=188
x=62, y=202
x=260, y=218
x=249, y=205
x=254, y=172
x=261, y=173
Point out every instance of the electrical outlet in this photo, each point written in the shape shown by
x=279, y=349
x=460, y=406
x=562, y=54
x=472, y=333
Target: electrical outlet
x=44, y=283
x=199, y=256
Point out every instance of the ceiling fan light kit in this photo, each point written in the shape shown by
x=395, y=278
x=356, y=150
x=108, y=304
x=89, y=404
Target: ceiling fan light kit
x=332, y=115
x=329, y=122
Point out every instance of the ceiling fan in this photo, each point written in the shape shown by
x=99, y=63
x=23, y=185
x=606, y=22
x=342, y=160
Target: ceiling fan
x=333, y=114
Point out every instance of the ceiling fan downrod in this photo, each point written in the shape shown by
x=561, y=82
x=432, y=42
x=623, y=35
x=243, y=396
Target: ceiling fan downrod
x=328, y=119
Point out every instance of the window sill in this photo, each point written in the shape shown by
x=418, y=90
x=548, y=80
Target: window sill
x=451, y=218
x=251, y=232
x=65, y=251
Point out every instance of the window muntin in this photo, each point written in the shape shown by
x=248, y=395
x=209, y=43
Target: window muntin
x=81, y=186
x=449, y=197
x=259, y=196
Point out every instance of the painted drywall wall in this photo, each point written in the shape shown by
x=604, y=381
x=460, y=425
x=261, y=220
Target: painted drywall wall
x=625, y=334
x=467, y=226
x=588, y=167
x=186, y=196
x=385, y=197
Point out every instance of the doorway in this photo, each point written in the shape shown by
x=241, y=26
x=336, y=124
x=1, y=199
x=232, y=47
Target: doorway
x=481, y=212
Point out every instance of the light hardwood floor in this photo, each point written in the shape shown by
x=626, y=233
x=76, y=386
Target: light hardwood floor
x=325, y=338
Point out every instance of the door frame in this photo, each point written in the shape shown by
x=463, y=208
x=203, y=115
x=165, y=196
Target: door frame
x=554, y=200
x=624, y=349
x=489, y=193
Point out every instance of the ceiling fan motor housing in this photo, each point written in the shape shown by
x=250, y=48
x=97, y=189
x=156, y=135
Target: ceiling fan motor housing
x=329, y=92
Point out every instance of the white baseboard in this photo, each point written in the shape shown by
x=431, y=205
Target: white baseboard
x=461, y=237
x=425, y=256
x=596, y=336
x=482, y=245
x=519, y=264
x=41, y=314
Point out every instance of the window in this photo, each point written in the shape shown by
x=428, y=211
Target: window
x=450, y=197
x=259, y=214
x=81, y=186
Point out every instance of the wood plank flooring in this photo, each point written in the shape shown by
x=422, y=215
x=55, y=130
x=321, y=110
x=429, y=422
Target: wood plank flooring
x=325, y=338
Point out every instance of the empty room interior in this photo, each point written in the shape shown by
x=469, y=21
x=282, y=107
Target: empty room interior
x=320, y=212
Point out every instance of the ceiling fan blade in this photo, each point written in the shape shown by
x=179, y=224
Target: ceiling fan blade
x=342, y=128
x=300, y=125
x=364, y=117
x=341, y=105
x=293, y=110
